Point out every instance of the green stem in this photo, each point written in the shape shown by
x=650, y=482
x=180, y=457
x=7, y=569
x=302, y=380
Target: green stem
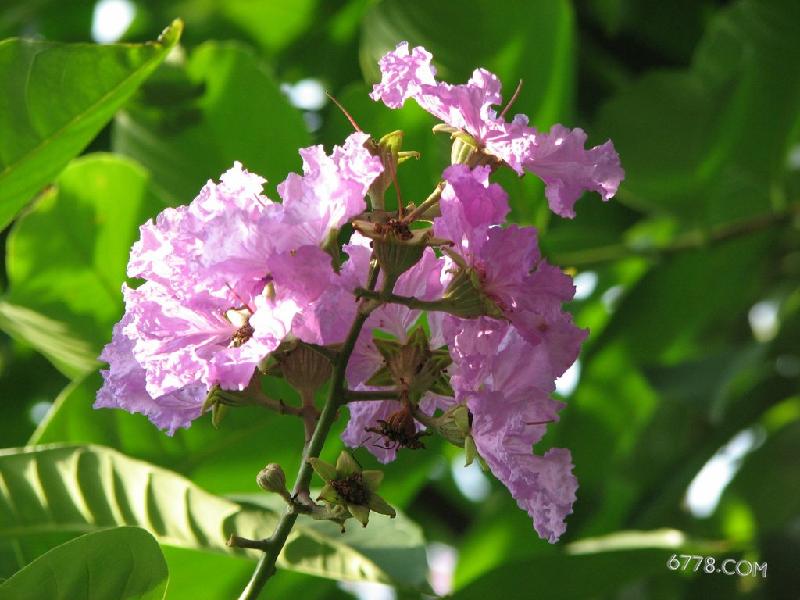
x=429, y=202
x=691, y=240
x=336, y=396
x=365, y=395
x=409, y=301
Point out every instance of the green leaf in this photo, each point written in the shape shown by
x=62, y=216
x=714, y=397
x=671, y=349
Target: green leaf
x=236, y=112
x=69, y=353
x=124, y=563
x=77, y=489
x=56, y=98
x=768, y=477
x=589, y=568
x=396, y=545
x=222, y=461
x=710, y=144
x=66, y=259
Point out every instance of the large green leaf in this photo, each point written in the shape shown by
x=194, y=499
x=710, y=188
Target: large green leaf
x=66, y=259
x=596, y=568
x=710, y=144
x=123, y=563
x=222, y=460
x=191, y=123
x=55, y=99
x=77, y=489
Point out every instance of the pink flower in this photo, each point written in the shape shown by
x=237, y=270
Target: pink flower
x=207, y=339
x=512, y=273
x=124, y=387
x=506, y=384
x=559, y=158
x=329, y=193
x=212, y=308
x=215, y=243
x=567, y=169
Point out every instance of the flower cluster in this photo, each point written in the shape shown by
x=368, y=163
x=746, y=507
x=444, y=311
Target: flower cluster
x=441, y=319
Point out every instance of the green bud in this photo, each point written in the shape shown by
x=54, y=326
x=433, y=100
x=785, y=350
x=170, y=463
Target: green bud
x=272, y=479
x=388, y=149
x=454, y=425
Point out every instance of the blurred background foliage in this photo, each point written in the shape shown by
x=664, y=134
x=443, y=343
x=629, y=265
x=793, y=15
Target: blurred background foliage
x=683, y=413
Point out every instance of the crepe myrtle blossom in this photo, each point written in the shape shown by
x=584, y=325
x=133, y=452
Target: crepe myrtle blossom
x=559, y=157
x=506, y=382
x=221, y=293
x=518, y=284
x=125, y=387
x=437, y=318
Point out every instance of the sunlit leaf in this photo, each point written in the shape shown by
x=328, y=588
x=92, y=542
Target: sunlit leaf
x=78, y=489
x=66, y=259
x=56, y=98
x=124, y=563
x=236, y=113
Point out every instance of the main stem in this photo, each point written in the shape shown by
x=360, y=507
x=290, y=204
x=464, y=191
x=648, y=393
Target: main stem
x=336, y=397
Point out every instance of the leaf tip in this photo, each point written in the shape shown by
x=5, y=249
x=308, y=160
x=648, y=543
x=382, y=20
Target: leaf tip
x=171, y=34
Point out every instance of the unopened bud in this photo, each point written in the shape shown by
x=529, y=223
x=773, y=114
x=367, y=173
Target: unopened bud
x=272, y=479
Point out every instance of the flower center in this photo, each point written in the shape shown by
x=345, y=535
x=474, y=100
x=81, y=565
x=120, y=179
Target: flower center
x=352, y=489
x=240, y=318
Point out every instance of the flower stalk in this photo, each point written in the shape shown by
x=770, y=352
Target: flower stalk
x=273, y=545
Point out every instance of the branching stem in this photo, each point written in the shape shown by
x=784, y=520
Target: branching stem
x=273, y=545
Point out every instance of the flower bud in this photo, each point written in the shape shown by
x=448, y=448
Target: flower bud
x=388, y=150
x=272, y=479
x=454, y=425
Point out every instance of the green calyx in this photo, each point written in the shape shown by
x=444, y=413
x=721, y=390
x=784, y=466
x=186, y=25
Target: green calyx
x=349, y=487
x=465, y=297
x=397, y=246
x=303, y=367
x=466, y=150
x=412, y=367
x=218, y=402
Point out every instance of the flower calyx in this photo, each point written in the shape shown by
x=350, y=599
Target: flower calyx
x=396, y=245
x=455, y=426
x=218, y=401
x=303, y=366
x=464, y=296
x=466, y=150
x=349, y=487
x=413, y=368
